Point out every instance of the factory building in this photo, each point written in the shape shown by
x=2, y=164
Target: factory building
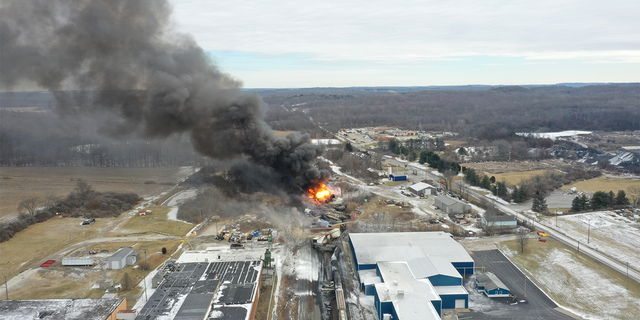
x=403, y=270
x=451, y=205
x=206, y=284
x=62, y=309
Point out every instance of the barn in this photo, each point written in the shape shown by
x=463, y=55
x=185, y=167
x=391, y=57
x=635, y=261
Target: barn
x=489, y=283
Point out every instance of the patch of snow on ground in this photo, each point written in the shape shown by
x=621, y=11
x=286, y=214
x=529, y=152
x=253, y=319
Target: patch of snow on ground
x=609, y=233
x=554, y=135
x=593, y=290
x=497, y=199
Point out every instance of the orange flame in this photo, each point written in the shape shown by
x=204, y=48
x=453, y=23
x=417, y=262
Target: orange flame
x=320, y=195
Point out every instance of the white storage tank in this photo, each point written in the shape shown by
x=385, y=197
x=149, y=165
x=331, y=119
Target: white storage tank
x=77, y=262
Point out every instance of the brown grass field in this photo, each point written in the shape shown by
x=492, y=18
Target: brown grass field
x=17, y=183
x=28, y=247
x=603, y=184
x=514, y=178
x=156, y=222
x=59, y=281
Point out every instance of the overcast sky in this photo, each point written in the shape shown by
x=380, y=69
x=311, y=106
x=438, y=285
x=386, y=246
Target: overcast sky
x=341, y=43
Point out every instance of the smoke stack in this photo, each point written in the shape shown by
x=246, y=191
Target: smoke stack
x=122, y=58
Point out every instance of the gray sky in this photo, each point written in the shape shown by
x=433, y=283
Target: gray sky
x=279, y=43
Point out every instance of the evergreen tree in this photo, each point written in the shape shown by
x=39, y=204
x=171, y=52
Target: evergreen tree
x=599, y=200
x=485, y=183
x=576, y=205
x=539, y=203
x=348, y=147
x=621, y=198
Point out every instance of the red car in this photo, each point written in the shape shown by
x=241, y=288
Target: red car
x=543, y=240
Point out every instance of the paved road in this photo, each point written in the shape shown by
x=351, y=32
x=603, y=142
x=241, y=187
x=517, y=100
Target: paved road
x=537, y=305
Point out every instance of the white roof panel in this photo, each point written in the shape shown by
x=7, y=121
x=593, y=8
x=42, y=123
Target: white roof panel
x=400, y=246
x=411, y=304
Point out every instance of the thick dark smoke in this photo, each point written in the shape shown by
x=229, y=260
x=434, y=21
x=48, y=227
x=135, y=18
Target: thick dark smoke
x=121, y=56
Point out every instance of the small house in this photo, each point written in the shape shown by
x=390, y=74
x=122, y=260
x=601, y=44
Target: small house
x=489, y=283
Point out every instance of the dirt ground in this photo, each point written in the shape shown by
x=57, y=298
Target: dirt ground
x=17, y=183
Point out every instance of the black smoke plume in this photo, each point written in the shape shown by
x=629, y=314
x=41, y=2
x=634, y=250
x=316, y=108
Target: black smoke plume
x=123, y=57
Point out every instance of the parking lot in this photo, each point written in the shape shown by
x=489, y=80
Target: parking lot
x=536, y=305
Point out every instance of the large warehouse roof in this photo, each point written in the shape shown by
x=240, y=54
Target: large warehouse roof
x=59, y=309
x=371, y=248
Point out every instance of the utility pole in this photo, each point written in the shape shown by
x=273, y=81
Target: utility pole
x=556, y=217
x=146, y=298
x=578, y=247
x=525, y=287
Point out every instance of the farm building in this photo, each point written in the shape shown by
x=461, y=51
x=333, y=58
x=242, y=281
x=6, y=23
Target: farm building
x=451, y=205
x=401, y=269
x=62, y=309
x=505, y=222
x=423, y=189
x=77, y=262
x=393, y=177
x=125, y=256
x=489, y=283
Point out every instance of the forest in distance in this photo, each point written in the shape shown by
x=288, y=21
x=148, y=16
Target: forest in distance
x=39, y=136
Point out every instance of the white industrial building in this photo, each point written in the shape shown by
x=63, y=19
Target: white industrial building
x=423, y=189
x=451, y=205
x=125, y=256
x=403, y=270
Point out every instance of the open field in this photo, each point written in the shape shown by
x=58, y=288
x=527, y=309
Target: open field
x=605, y=231
x=156, y=222
x=493, y=167
x=603, y=184
x=28, y=247
x=16, y=183
x=77, y=282
x=514, y=178
x=576, y=281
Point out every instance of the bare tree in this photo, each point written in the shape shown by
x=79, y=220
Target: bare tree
x=522, y=238
x=50, y=200
x=448, y=177
x=633, y=193
x=83, y=189
x=30, y=204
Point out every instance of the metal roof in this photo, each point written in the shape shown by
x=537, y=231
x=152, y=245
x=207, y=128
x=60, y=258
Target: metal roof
x=428, y=266
x=59, y=309
x=413, y=302
x=371, y=248
x=420, y=186
x=499, y=218
x=490, y=281
x=448, y=200
x=122, y=252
